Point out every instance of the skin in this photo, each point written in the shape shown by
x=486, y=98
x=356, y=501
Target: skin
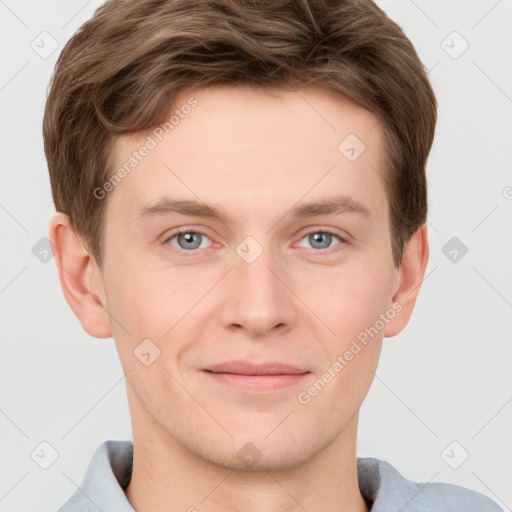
x=256, y=155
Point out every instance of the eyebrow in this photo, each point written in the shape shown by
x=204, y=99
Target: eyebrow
x=326, y=206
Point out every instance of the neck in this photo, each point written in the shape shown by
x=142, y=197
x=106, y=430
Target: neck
x=168, y=477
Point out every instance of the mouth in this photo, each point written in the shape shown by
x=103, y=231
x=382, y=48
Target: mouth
x=256, y=377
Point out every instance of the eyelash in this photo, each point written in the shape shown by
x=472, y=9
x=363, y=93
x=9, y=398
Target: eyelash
x=326, y=252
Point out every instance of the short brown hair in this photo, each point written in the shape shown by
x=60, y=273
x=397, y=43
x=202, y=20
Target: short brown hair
x=123, y=69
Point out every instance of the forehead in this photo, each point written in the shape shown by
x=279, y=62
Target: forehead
x=267, y=146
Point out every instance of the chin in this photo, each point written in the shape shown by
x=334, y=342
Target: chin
x=259, y=452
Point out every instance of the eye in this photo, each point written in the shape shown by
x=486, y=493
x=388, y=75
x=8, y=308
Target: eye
x=321, y=239
x=188, y=240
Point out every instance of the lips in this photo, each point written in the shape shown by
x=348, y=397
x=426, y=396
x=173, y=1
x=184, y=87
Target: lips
x=248, y=368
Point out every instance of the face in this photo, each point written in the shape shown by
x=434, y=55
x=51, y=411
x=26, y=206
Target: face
x=256, y=231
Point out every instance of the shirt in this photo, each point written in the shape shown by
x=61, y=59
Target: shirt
x=382, y=486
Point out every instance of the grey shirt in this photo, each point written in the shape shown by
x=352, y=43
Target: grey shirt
x=382, y=486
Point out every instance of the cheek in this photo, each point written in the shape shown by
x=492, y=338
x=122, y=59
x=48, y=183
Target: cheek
x=351, y=299
x=147, y=297
x=144, y=306
x=136, y=314
x=351, y=308
x=158, y=304
x=341, y=389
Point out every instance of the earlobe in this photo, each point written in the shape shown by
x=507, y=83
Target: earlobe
x=78, y=275
x=410, y=277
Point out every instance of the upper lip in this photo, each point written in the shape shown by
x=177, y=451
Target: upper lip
x=248, y=368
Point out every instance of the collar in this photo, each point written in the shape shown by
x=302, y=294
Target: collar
x=381, y=485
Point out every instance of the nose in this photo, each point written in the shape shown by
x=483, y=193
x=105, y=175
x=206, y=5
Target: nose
x=258, y=297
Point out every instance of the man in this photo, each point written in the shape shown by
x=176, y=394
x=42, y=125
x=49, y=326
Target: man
x=242, y=207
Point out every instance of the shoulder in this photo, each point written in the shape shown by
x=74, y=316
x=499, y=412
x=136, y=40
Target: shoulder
x=383, y=485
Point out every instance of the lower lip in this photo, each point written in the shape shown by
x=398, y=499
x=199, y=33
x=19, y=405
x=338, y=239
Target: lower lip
x=257, y=382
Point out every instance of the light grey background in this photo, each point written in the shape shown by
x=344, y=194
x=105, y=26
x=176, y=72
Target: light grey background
x=446, y=378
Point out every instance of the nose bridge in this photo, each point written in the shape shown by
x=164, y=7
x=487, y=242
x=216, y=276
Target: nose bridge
x=258, y=299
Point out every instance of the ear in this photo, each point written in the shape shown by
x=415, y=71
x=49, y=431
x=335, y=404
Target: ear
x=80, y=278
x=410, y=276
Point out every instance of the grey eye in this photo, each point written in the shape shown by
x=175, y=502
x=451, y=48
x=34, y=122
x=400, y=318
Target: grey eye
x=188, y=240
x=320, y=239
